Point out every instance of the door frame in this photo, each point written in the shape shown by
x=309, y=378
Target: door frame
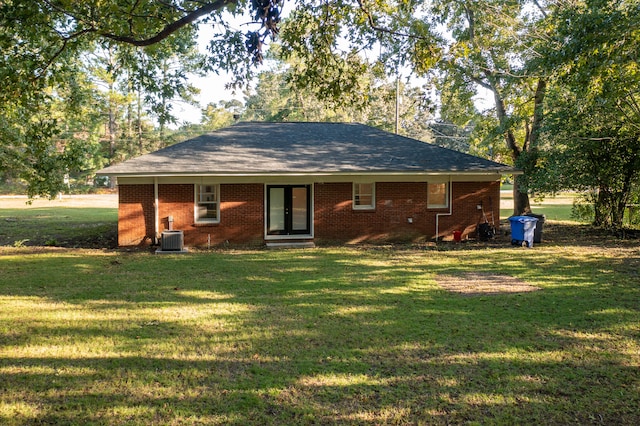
x=310, y=211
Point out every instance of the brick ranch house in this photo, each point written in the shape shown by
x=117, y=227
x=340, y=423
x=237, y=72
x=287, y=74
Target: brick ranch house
x=275, y=183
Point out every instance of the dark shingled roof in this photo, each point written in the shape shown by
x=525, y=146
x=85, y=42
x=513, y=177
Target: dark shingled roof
x=305, y=148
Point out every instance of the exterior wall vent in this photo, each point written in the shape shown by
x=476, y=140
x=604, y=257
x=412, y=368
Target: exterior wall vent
x=172, y=241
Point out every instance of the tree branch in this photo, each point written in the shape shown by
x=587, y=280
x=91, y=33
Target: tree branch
x=478, y=80
x=56, y=55
x=538, y=111
x=169, y=28
x=540, y=8
x=375, y=27
x=472, y=24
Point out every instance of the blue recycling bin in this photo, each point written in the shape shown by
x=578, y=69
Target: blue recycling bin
x=522, y=230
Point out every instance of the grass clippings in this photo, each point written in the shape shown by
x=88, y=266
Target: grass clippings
x=479, y=283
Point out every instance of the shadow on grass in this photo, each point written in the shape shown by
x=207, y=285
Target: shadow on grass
x=317, y=337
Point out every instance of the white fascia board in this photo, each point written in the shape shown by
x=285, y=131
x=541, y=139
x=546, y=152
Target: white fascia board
x=319, y=174
x=309, y=179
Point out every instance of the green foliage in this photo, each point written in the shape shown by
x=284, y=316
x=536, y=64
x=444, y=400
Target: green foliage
x=50, y=106
x=277, y=98
x=221, y=115
x=20, y=243
x=593, y=127
x=582, y=210
x=576, y=61
x=53, y=127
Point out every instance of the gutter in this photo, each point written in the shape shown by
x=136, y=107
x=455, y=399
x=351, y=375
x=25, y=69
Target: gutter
x=156, y=214
x=316, y=173
x=450, y=208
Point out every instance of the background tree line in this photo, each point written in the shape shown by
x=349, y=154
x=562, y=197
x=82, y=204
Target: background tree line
x=87, y=84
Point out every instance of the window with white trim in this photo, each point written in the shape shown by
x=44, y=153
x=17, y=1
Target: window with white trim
x=364, y=196
x=438, y=195
x=207, y=205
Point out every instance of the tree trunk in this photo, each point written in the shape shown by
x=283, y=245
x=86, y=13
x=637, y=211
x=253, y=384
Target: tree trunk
x=600, y=208
x=139, y=121
x=619, y=201
x=521, y=202
x=112, y=128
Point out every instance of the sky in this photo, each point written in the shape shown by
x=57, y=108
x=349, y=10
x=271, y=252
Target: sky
x=212, y=86
x=211, y=90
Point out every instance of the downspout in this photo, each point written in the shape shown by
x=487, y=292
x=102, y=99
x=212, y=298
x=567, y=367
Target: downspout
x=450, y=209
x=156, y=218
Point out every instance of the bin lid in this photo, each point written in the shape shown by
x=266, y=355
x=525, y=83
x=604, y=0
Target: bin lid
x=537, y=216
x=523, y=219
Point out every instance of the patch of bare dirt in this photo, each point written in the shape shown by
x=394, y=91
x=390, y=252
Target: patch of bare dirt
x=477, y=284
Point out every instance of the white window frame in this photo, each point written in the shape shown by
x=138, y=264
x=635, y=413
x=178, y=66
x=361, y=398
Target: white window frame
x=356, y=192
x=197, y=191
x=431, y=205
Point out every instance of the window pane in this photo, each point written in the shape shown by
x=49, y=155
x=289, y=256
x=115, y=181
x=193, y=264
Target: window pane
x=207, y=203
x=210, y=211
x=437, y=196
x=364, y=200
x=363, y=194
x=364, y=188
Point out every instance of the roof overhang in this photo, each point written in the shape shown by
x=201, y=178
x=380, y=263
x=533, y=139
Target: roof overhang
x=502, y=172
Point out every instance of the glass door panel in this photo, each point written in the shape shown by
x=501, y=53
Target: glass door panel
x=276, y=220
x=288, y=210
x=299, y=204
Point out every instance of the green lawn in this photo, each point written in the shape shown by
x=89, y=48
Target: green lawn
x=58, y=226
x=556, y=208
x=555, y=212
x=320, y=336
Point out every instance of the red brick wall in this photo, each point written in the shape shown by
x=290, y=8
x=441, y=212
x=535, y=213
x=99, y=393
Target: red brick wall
x=135, y=214
x=176, y=200
x=241, y=218
x=396, y=203
x=336, y=220
x=466, y=216
x=242, y=213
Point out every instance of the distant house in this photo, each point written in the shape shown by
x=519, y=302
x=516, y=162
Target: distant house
x=257, y=183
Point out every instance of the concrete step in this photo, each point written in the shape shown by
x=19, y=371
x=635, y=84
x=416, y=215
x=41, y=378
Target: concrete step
x=290, y=244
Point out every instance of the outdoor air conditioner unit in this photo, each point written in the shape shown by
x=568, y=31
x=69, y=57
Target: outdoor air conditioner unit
x=172, y=241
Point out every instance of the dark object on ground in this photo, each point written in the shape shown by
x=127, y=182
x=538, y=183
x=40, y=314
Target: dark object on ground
x=537, y=233
x=486, y=231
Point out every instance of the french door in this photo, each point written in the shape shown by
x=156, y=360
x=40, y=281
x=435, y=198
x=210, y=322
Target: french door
x=288, y=209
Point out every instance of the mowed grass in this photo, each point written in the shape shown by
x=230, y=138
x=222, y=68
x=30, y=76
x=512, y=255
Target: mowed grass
x=58, y=226
x=556, y=208
x=319, y=336
x=360, y=335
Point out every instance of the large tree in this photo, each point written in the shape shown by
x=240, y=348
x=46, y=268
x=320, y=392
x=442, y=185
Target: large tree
x=45, y=47
x=593, y=128
x=391, y=106
x=469, y=47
